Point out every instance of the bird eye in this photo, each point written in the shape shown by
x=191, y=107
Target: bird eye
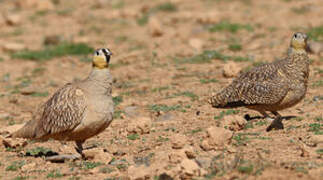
x=97, y=53
x=295, y=35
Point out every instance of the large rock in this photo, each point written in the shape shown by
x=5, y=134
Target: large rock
x=234, y=122
x=11, y=129
x=190, y=168
x=97, y=155
x=13, y=19
x=315, y=47
x=177, y=156
x=178, y=141
x=139, y=173
x=155, y=27
x=40, y=5
x=13, y=142
x=217, y=138
x=196, y=43
x=231, y=69
x=28, y=167
x=13, y=47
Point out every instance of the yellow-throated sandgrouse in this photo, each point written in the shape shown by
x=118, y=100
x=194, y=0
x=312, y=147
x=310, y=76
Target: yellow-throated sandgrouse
x=77, y=111
x=270, y=87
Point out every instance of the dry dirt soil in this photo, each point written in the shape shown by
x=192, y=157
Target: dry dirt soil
x=169, y=56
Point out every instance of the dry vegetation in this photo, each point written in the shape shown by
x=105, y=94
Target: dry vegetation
x=168, y=58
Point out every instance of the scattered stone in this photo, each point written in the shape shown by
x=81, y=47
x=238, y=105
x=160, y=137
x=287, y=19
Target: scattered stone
x=13, y=47
x=13, y=19
x=28, y=167
x=203, y=162
x=164, y=176
x=26, y=3
x=53, y=40
x=140, y=125
x=196, y=43
x=13, y=142
x=4, y=115
x=189, y=151
x=208, y=18
x=139, y=173
x=166, y=117
x=28, y=90
x=234, y=122
x=315, y=47
x=155, y=27
x=11, y=129
x=178, y=141
x=143, y=160
x=45, y=5
x=131, y=111
x=190, y=168
x=97, y=155
x=2, y=20
x=231, y=69
x=177, y=156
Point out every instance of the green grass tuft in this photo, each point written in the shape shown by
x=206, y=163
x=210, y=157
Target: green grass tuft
x=133, y=136
x=14, y=166
x=235, y=47
x=90, y=165
x=54, y=51
x=316, y=33
x=55, y=174
x=167, y=7
x=206, y=81
x=318, y=83
x=117, y=100
x=317, y=128
x=230, y=27
x=164, y=108
x=208, y=55
x=246, y=169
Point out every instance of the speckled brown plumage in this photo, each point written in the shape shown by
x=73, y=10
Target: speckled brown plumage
x=270, y=87
x=78, y=110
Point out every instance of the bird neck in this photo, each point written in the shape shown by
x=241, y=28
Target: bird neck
x=292, y=51
x=100, y=78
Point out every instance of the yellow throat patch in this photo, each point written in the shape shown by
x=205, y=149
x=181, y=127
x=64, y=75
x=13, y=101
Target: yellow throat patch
x=100, y=62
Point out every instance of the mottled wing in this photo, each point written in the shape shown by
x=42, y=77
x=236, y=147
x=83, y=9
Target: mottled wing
x=261, y=73
x=64, y=110
x=266, y=93
x=260, y=85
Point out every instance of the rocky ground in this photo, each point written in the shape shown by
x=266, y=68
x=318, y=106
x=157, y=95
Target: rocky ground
x=169, y=56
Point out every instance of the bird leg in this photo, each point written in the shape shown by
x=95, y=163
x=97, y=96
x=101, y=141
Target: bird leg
x=266, y=116
x=79, y=147
x=63, y=157
x=277, y=122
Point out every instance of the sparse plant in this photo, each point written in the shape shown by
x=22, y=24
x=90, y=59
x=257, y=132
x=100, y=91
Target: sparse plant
x=230, y=27
x=54, y=51
x=55, y=174
x=14, y=166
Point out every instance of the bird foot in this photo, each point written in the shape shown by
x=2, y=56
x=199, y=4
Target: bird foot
x=63, y=157
x=269, y=119
x=276, y=124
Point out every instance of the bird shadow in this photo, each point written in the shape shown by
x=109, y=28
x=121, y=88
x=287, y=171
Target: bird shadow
x=250, y=118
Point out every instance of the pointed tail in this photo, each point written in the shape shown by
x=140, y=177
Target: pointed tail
x=227, y=98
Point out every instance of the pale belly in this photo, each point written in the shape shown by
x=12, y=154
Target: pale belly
x=293, y=97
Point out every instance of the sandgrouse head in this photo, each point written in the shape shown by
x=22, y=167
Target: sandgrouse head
x=299, y=41
x=101, y=58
